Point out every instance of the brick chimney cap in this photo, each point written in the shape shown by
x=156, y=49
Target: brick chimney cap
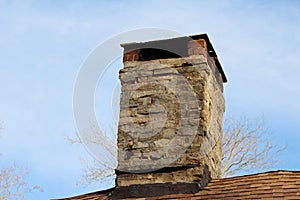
x=211, y=51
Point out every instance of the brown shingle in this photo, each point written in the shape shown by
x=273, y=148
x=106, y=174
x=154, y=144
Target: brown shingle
x=268, y=185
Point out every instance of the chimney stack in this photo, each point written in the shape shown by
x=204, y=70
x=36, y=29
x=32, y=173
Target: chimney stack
x=172, y=105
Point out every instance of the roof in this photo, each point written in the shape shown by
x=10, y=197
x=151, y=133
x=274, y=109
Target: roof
x=268, y=185
x=175, y=45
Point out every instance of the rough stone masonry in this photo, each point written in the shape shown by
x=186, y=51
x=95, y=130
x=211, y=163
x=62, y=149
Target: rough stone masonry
x=171, y=109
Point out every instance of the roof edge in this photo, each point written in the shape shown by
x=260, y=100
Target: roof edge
x=267, y=172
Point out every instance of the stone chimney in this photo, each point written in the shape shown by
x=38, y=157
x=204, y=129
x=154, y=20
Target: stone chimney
x=172, y=104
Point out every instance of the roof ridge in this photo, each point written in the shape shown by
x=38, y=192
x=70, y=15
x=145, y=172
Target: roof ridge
x=255, y=174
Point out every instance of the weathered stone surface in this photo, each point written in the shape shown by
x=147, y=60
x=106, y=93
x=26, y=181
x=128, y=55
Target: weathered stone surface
x=170, y=121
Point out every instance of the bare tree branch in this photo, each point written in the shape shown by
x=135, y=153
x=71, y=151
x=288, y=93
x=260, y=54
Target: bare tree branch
x=247, y=146
x=12, y=182
x=100, y=167
x=94, y=171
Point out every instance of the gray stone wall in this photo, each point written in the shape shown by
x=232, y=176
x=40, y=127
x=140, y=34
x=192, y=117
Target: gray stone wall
x=170, y=126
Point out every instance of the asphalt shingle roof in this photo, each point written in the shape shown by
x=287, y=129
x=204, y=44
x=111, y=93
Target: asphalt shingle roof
x=268, y=185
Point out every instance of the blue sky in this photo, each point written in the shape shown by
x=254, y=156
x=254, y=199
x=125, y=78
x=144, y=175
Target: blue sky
x=44, y=43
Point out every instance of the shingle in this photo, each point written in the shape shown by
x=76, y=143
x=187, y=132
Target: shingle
x=268, y=185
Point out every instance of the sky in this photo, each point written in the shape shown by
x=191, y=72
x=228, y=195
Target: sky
x=44, y=43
